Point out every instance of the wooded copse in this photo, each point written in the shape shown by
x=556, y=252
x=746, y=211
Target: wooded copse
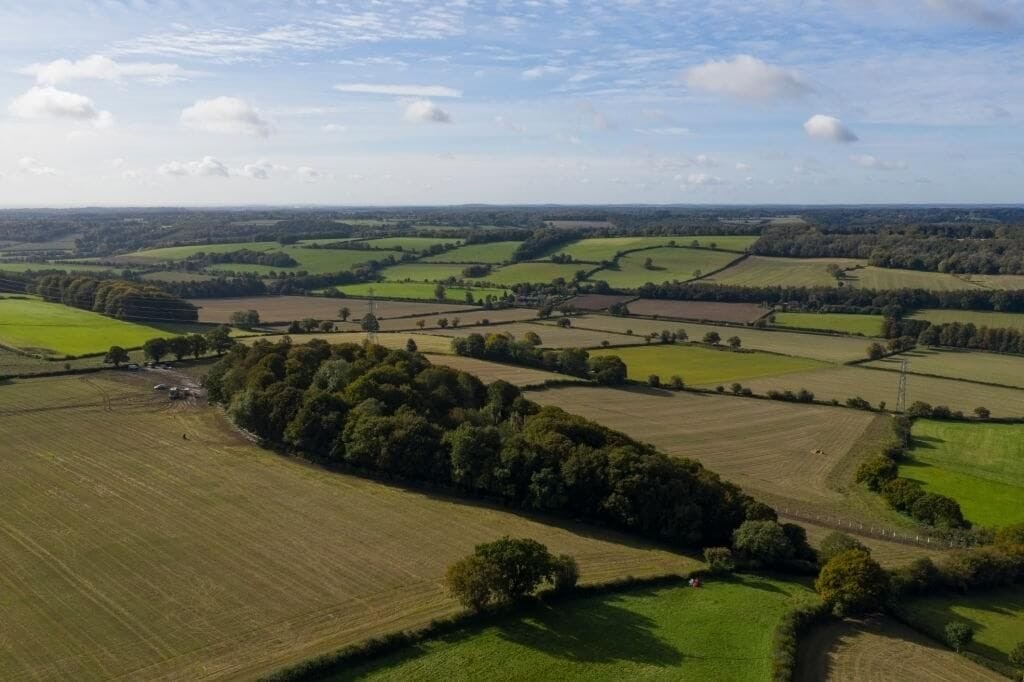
x=117, y=298
x=393, y=413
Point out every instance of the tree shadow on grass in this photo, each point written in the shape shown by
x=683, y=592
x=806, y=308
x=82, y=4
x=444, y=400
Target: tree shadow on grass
x=926, y=442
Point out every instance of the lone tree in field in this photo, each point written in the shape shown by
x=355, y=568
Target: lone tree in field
x=648, y=263
x=982, y=412
x=609, y=370
x=115, y=356
x=155, y=349
x=734, y=342
x=411, y=346
x=440, y=291
x=369, y=323
x=852, y=582
x=505, y=571
x=344, y=313
x=876, y=351
x=959, y=635
x=835, y=543
x=712, y=338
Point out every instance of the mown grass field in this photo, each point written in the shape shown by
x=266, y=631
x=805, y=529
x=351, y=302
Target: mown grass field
x=538, y=273
x=981, y=466
x=54, y=329
x=668, y=265
x=491, y=252
x=182, y=252
x=130, y=551
x=423, y=272
x=64, y=267
x=288, y=308
x=700, y=365
x=826, y=348
x=767, y=447
x=425, y=343
x=1008, y=282
x=865, y=325
x=480, y=319
x=551, y=336
x=977, y=317
x=409, y=243
x=722, y=631
x=996, y=616
x=993, y=368
x=880, y=648
x=494, y=371
x=313, y=261
x=738, y=313
x=840, y=383
x=420, y=290
x=890, y=278
x=762, y=271
x=597, y=250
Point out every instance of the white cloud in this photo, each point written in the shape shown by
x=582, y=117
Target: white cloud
x=231, y=115
x=334, y=128
x=703, y=179
x=822, y=127
x=873, y=163
x=29, y=165
x=207, y=167
x=308, y=174
x=49, y=102
x=399, y=90
x=747, y=77
x=540, y=72
x=742, y=167
x=503, y=122
x=98, y=67
x=424, y=110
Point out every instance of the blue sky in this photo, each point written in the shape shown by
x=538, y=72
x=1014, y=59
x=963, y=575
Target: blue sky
x=147, y=102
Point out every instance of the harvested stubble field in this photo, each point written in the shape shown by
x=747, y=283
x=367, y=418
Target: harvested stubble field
x=668, y=265
x=763, y=271
x=702, y=365
x=865, y=325
x=1008, y=282
x=491, y=252
x=969, y=365
x=467, y=318
x=840, y=383
x=977, y=317
x=288, y=308
x=551, y=336
x=720, y=632
x=130, y=551
x=425, y=343
x=767, y=447
x=880, y=648
x=494, y=371
x=738, y=313
x=818, y=347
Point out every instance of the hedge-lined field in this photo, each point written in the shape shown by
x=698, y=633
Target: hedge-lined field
x=866, y=325
x=969, y=365
x=667, y=265
x=491, y=252
x=763, y=271
x=977, y=317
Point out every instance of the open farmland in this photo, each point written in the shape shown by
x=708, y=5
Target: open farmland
x=596, y=250
x=890, y=278
x=865, y=325
x=551, y=336
x=425, y=291
x=880, y=648
x=739, y=313
x=172, y=253
x=494, y=371
x=701, y=365
x=840, y=383
x=981, y=466
x=767, y=447
x=537, y=273
x=476, y=317
x=1007, y=282
x=313, y=261
x=980, y=318
x=409, y=243
x=176, y=276
x=668, y=265
x=61, y=267
x=491, y=252
x=425, y=343
x=54, y=329
x=722, y=631
x=818, y=347
x=762, y=271
x=996, y=616
x=594, y=302
x=888, y=553
x=288, y=308
x=132, y=552
x=969, y=365
x=423, y=272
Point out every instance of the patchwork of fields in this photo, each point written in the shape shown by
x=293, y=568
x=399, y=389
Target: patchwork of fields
x=979, y=366
x=551, y=336
x=865, y=325
x=667, y=265
x=288, y=308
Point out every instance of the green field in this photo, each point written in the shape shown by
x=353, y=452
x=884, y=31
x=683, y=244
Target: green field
x=981, y=466
x=539, y=273
x=668, y=264
x=182, y=252
x=722, y=631
x=55, y=329
x=977, y=317
x=605, y=249
x=492, y=252
x=890, y=278
x=997, y=617
x=761, y=271
x=700, y=365
x=866, y=325
x=314, y=261
x=66, y=267
x=969, y=365
x=423, y=272
x=423, y=291
x=176, y=276
x=409, y=243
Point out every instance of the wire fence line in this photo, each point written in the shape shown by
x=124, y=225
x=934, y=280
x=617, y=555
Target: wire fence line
x=872, y=529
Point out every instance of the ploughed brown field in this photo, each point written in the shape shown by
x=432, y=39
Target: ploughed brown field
x=595, y=302
x=739, y=313
x=288, y=308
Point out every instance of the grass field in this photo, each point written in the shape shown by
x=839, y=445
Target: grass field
x=994, y=368
x=409, y=243
x=981, y=466
x=313, y=261
x=978, y=317
x=700, y=365
x=767, y=447
x=182, y=252
x=551, y=336
x=668, y=265
x=64, y=267
x=425, y=343
x=722, y=631
x=423, y=272
x=865, y=325
x=890, y=278
x=176, y=276
x=889, y=554
x=761, y=271
x=739, y=313
x=1008, y=282
x=288, y=308
x=840, y=383
x=129, y=551
x=537, y=273
x=826, y=348
x=880, y=648
x=605, y=249
x=996, y=615
x=420, y=290
x=54, y=329
x=493, y=371
x=491, y=252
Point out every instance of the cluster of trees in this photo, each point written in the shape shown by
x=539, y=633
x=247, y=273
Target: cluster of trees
x=115, y=297
x=278, y=259
x=476, y=270
x=503, y=347
x=910, y=331
x=393, y=413
x=507, y=570
x=216, y=340
x=544, y=241
x=308, y=325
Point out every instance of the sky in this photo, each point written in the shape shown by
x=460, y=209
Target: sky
x=398, y=102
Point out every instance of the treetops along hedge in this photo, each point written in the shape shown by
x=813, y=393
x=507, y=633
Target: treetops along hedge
x=393, y=413
x=115, y=297
x=502, y=347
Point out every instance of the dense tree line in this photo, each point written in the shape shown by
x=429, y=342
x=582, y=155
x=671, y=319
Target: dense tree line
x=954, y=335
x=394, y=413
x=118, y=298
x=544, y=241
x=277, y=259
x=608, y=370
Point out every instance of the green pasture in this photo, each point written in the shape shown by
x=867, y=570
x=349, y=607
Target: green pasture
x=409, y=243
x=423, y=291
x=668, y=264
x=980, y=318
x=865, y=325
x=423, y=272
x=762, y=271
x=535, y=273
x=492, y=252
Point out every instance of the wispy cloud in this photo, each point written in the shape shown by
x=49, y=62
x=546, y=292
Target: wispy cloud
x=399, y=90
x=231, y=115
x=870, y=162
x=98, y=67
